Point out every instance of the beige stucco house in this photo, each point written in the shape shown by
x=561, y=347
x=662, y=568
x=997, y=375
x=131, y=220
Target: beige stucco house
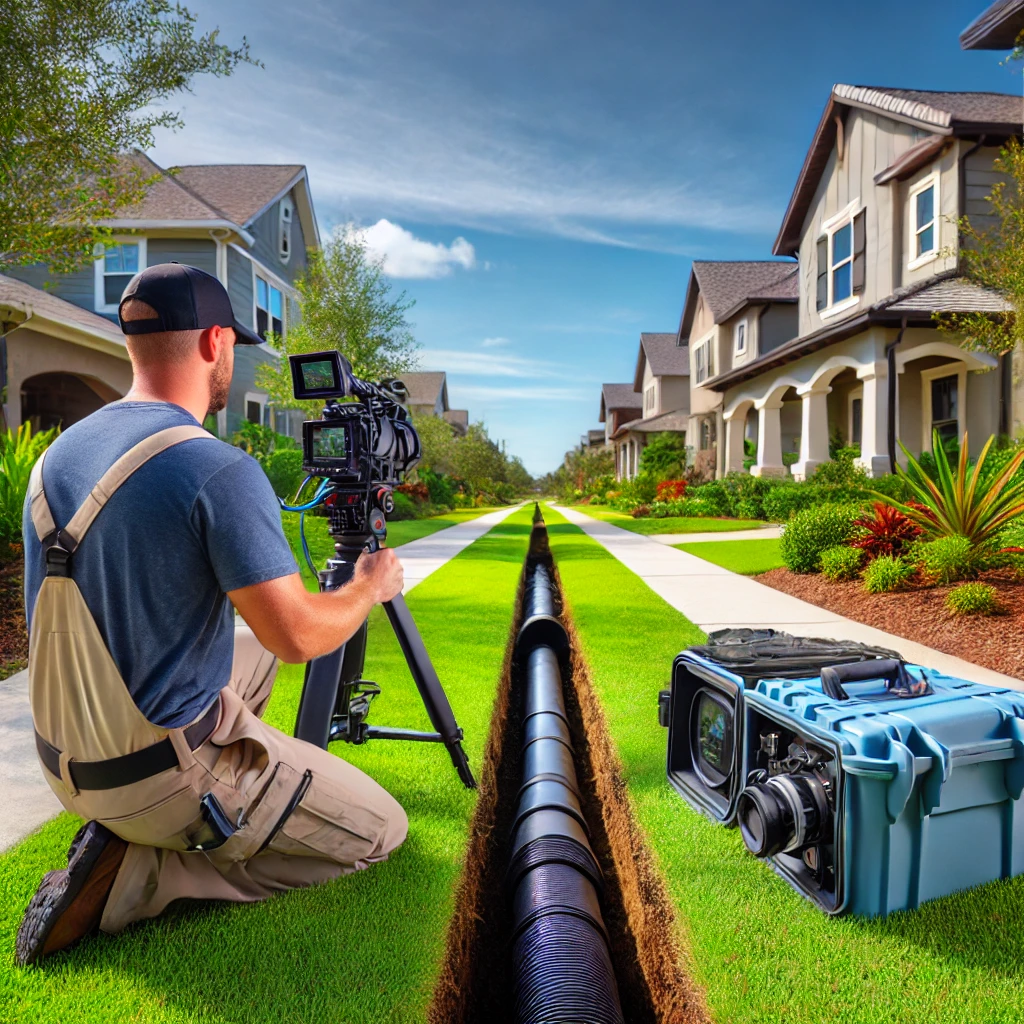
x=428, y=396
x=873, y=223
x=620, y=405
x=734, y=312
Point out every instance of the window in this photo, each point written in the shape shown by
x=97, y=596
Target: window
x=741, y=338
x=856, y=419
x=924, y=226
x=841, y=253
x=116, y=264
x=253, y=413
x=284, y=230
x=945, y=403
x=703, y=361
x=269, y=309
x=707, y=433
x=649, y=399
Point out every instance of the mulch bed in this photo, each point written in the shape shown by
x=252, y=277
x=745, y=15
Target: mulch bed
x=13, y=638
x=920, y=614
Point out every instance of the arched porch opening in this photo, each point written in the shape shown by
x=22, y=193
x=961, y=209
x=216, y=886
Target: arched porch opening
x=60, y=399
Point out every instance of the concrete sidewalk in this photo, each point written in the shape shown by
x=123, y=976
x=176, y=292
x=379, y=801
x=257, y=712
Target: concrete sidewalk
x=715, y=598
x=29, y=801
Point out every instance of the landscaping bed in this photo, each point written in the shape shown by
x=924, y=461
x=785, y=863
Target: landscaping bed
x=13, y=637
x=920, y=614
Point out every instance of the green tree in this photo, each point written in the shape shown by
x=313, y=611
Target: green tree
x=519, y=476
x=992, y=255
x=478, y=460
x=82, y=82
x=346, y=303
x=438, y=442
x=664, y=458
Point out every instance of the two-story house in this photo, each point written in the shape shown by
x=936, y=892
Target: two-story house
x=428, y=396
x=250, y=225
x=873, y=223
x=734, y=312
x=620, y=405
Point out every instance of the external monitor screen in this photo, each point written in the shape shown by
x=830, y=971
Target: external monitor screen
x=330, y=443
x=714, y=732
x=318, y=375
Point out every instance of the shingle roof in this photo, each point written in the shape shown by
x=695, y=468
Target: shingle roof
x=424, y=386
x=954, y=295
x=664, y=356
x=23, y=297
x=675, y=420
x=729, y=284
x=167, y=198
x=620, y=396
x=942, y=113
x=996, y=28
x=241, y=190
x=457, y=417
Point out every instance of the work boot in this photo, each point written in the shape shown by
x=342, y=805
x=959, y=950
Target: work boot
x=69, y=903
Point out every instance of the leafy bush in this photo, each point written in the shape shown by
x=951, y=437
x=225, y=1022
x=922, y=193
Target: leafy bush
x=640, y=511
x=968, y=502
x=664, y=457
x=439, y=486
x=948, y=559
x=973, y=599
x=887, y=532
x=284, y=470
x=813, y=530
x=840, y=470
x=641, y=490
x=841, y=562
x=405, y=507
x=714, y=498
x=668, y=490
x=886, y=574
x=18, y=454
x=779, y=503
x=418, y=491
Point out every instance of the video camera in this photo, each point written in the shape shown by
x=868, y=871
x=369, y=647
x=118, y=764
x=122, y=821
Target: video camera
x=855, y=776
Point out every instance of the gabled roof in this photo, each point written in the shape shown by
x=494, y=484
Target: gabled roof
x=663, y=355
x=426, y=386
x=996, y=28
x=619, y=396
x=457, y=417
x=729, y=285
x=956, y=114
x=22, y=304
x=242, y=191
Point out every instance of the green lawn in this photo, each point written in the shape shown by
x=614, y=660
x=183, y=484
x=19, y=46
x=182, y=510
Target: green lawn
x=365, y=948
x=670, y=524
x=763, y=954
x=747, y=557
x=321, y=546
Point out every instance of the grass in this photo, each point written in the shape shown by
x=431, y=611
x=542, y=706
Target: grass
x=670, y=524
x=762, y=953
x=321, y=546
x=747, y=557
x=363, y=948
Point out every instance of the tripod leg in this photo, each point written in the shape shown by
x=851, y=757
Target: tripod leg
x=439, y=710
x=319, y=697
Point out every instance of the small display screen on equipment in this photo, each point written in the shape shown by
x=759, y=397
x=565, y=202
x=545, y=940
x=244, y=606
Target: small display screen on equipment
x=713, y=738
x=319, y=375
x=330, y=443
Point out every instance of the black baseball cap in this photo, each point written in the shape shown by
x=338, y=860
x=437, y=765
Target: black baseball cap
x=185, y=299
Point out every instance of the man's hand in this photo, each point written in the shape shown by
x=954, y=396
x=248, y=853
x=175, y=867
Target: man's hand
x=297, y=625
x=381, y=572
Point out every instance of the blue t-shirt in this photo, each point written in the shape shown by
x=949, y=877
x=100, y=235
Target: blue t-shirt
x=192, y=523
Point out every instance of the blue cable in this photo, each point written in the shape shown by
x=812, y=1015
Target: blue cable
x=305, y=546
x=318, y=499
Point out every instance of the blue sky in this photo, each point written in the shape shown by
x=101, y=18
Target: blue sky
x=539, y=175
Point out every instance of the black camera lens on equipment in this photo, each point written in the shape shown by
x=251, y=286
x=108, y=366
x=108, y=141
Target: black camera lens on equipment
x=784, y=814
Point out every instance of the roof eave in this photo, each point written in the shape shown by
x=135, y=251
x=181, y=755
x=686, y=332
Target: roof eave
x=66, y=330
x=304, y=205
x=205, y=226
x=996, y=28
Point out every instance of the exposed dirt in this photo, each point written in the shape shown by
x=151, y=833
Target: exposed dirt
x=476, y=982
x=920, y=614
x=13, y=638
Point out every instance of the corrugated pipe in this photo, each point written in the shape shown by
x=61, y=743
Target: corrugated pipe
x=561, y=963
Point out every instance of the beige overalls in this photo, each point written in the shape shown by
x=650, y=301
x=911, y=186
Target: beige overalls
x=302, y=815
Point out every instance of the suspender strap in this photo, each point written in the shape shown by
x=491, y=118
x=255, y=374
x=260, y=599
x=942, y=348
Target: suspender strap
x=66, y=540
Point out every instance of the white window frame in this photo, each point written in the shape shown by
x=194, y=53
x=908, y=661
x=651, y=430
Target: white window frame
x=271, y=281
x=930, y=181
x=100, y=305
x=285, y=215
x=958, y=370
x=707, y=345
x=828, y=228
x=260, y=398
x=741, y=329
x=855, y=393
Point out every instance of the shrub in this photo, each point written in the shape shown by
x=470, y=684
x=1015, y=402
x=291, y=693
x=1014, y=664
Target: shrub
x=781, y=502
x=18, y=453
x=667, y=490
x=284, y=470
x=887, y=532
x=439, y=486
x=418, y=492
x=640, y=511
x=841, y=562
x=886, y=574
x=714, y=497
x=949, y=559
x=748, y=508
x=840, y=470
x=642, y=489
x=811, y=531
x=973, y=599
x=405, y=507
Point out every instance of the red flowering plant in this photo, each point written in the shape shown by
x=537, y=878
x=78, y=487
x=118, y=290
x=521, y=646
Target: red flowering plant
x=671, y=490
x=887, y=532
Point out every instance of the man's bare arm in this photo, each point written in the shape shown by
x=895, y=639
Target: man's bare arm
x=297, y=625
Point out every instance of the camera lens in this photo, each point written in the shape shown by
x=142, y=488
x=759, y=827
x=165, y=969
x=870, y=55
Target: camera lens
x=784, y=814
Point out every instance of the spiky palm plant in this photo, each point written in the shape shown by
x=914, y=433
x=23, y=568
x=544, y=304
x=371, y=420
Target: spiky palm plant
x=18, y=453
x=958, y=502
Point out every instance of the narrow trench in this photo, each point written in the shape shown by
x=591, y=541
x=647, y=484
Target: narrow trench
x=476, y=981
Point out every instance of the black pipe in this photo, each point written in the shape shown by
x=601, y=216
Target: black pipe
x=560, y=955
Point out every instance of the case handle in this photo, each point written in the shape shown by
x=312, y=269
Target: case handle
x=898, y=681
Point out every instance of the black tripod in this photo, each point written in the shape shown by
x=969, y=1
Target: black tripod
x=336, y=699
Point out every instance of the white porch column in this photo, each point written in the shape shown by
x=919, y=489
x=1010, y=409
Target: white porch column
x=734, y=427
x=813, y=431
x=769, y=439
x=874, y=454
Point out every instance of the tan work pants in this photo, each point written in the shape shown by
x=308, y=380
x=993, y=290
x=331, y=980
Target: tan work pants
x=344, y=821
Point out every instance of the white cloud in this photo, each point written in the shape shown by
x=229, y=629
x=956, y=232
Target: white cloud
x=405, y=255
x=494, y=342
x=496, y=396
x=487, y=364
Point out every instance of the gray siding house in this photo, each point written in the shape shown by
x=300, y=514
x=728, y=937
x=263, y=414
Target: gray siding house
x=250, y=225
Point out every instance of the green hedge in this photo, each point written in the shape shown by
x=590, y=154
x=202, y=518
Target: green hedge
x=814, y=530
